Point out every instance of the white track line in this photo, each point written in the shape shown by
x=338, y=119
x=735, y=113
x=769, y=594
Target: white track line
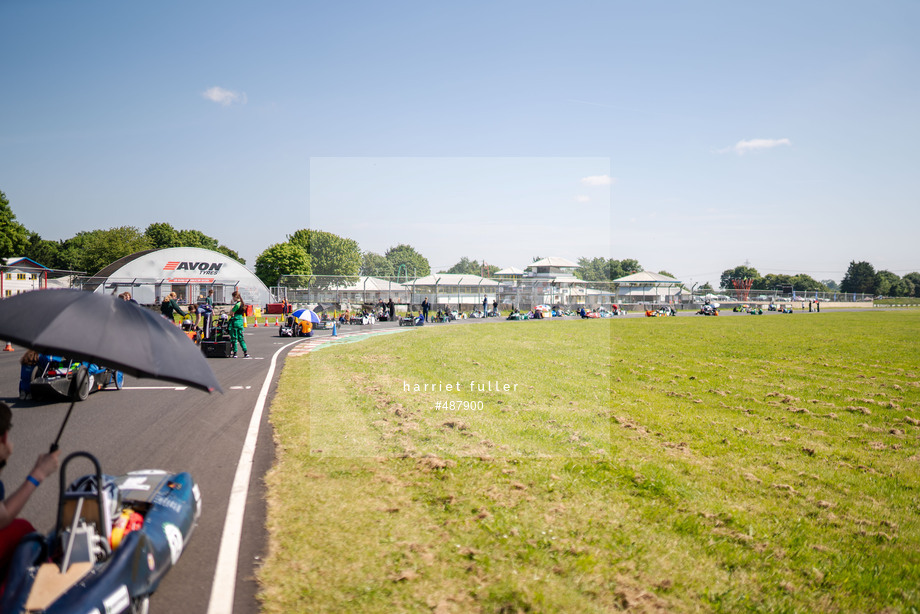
x=224, y=585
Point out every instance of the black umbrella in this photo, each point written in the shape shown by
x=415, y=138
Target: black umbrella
x=107, y=331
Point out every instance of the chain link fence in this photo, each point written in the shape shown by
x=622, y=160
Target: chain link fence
x=468, y=293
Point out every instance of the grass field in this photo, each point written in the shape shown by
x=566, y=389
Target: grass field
x=766, y=463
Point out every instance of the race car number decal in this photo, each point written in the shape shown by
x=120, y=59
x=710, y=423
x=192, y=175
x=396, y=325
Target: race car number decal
x=174, y=538
x=117, y=601
x=135, y=483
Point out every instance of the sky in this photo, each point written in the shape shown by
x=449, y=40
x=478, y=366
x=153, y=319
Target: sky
x=692, y=137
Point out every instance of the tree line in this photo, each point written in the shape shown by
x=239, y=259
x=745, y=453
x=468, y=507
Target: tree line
x=315, y=252
x=92, y=250
x=860, y=278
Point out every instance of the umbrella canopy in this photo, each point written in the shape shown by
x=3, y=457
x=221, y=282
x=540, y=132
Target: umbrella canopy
x=306, y=314
x=107, y=331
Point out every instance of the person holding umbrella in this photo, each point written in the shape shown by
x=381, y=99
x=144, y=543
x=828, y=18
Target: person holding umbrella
x=236, y=324
x=13, y=529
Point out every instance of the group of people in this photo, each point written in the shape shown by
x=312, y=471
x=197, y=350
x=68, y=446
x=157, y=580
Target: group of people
x=426, y=308
x=202, y=313
x=386, y=311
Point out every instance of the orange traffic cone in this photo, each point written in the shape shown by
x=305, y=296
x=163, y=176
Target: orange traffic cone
x=277, y=321
x=255, y=323
x=9, y=347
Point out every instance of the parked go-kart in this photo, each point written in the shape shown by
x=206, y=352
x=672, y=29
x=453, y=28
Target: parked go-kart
x=71, y=379
x=410, y=320
x=709, y=309
x=111, y=545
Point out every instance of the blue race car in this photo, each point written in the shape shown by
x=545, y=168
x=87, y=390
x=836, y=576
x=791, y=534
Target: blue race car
x=114, y=541
x=70, y=379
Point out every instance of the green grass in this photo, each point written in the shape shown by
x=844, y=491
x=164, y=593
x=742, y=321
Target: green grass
x=738, y=463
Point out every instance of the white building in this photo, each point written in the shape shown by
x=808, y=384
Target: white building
x=552, y=281
x=453, y=290
x=187, y=271
x=647, y=287
x=21, y=274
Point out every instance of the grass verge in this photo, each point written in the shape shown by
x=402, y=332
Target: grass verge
x=670, y=464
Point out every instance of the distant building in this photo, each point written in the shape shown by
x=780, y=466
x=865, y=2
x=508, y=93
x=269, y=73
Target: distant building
x=364, y=291
x=647, y=287
x=22, y=275
x=188, y=271
x=552, y=281
x=453, y=290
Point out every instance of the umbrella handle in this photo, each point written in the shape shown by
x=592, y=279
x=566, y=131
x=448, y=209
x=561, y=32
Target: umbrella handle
x=54, y=446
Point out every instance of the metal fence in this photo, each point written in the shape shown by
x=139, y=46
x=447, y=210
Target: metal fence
x=468, y=293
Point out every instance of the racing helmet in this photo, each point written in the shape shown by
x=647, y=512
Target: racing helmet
x=186, y=324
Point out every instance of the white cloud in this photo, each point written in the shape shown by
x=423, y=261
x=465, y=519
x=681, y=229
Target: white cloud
x=598, y=180
x=581, y=198
x=224, y=97
x=742, y=147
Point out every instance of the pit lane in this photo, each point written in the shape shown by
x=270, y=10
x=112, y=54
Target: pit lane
x=154, y=425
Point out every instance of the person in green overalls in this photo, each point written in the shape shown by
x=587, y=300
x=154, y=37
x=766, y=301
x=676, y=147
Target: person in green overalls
x=236, y=324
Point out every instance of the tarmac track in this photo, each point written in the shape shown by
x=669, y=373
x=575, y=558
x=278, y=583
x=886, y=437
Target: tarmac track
x=158, y=425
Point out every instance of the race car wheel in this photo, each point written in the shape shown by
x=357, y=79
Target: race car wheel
x=119, y=380
x=81, y=384
x=140, y=605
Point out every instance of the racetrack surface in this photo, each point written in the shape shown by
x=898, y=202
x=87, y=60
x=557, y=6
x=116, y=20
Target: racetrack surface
x=158, y=425
x=153, y=425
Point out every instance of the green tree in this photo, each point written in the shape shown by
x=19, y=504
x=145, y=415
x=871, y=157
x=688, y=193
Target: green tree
x=464, y=267
x=415, y=264
x=885, y=281
x=162, y=235
x=14, y=238
x=739, y=272
x=859, y=278
x=776, y=281
x=196, y=238
x=226, y=251
x=914, y=278
x=831, y=284
x=282, y=259
x=805, y=283
x=329, y=253
x=375, y=265
x=93, y=250
x=604, y=269
x=706, y=286
x=595, y=269
x=903, y=287
x=42, y=251
x=488, y=270
x=626, y=267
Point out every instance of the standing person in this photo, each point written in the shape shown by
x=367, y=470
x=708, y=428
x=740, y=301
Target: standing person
x=495, y=306
x=425, y=307
x=392, y=307
x=170, y=307
x=236, y=324
x=27, y=364
x=198, y=311
x=485, y=304
x=13, y=529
